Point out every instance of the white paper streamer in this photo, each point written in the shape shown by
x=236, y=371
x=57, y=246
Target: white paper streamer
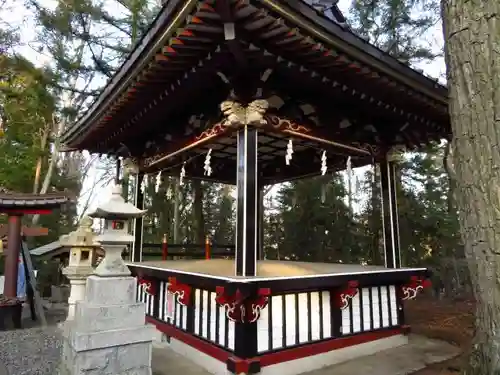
x=144, y=184
x=183, y=174
x=158, y=182
x=289, y=152
x=324, y=168
x=207, y=167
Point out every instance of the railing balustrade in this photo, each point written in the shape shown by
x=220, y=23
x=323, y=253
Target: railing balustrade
x=156, y=251
x=290, y=318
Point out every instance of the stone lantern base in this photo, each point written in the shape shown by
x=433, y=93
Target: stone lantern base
x=77, y=277
x=108, y=334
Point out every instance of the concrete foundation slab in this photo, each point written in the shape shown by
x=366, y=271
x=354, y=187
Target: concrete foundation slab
x=416, y=355
x=419, y=353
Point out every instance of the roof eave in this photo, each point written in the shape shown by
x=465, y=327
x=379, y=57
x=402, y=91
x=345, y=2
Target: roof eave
x=146, y=46
x=307, y=18
x=295, y=11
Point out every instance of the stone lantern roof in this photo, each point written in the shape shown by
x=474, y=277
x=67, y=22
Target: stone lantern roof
x=117, y=208
x=83, y=236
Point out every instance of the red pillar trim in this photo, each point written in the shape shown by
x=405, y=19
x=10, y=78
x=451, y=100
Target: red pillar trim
x=148, y=285
x=164, y=248
x=346, y=294
x=240, y=307
x=207, y=248
x=414, y=287
x=321, y=347
x=203, y=346
x=11, y=264
x=19, y=212
x=182, y=291
x=238, y=366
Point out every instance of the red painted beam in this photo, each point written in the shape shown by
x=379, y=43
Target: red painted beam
x=203, y=346
x=308, y=350
x=31, y=211
x=26, y=231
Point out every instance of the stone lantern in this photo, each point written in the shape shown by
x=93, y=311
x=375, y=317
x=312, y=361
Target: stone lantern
x=115, y=236
x=108, y=334
x=82, y=247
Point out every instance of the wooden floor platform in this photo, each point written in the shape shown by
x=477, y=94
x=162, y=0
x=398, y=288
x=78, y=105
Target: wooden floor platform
x=265, y=268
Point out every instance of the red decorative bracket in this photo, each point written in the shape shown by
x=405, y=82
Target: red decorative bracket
x=241, y=308
x=182, y=291
x=148, y=286
x=415, y=286
x=347, y=294
x=211, y=132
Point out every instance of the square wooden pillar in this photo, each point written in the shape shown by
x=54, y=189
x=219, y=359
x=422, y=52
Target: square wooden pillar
x=136, y=253
x=247, y=201
x=260, y=223
x=390, y=222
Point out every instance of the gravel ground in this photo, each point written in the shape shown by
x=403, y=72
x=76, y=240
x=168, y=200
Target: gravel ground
x=33, y=351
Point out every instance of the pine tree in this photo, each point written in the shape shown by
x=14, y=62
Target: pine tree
x=471, y=33
x=396, y=26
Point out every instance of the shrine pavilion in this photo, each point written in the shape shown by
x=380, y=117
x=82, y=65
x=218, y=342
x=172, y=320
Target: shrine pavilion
x=253, y=93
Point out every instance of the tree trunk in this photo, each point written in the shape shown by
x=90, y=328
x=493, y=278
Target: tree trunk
x=52, y=164
x=376, y=217
x=177, y=204
x=472, y=41
x=38, y=169
x=349, y=185
x=198, y=212
x=125, y=182
x=450, y=173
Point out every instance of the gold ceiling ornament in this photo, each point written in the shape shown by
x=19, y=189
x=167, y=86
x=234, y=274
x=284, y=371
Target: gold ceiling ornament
x=395, y=153
x=131, y=165
x=237, y=115
x=372, y=149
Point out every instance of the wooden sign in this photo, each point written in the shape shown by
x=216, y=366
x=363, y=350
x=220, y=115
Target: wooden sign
x=36, y=303
x=26, y=231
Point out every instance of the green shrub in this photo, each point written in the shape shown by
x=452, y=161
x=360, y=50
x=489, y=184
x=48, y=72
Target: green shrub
x=49, y=273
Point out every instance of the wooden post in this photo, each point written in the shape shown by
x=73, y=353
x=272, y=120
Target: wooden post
x=390, y=222
x=136, y=254
x=246, y=202
x=12, y=256
x=164, y=248
x=117, y=171
x=207, y=247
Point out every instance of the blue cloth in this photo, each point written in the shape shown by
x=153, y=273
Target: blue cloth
x=21, y=280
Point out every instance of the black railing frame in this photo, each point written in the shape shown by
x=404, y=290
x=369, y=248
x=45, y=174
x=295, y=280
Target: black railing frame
x=245, y=344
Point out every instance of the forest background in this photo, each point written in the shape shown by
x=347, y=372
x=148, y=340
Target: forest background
x=56, y=55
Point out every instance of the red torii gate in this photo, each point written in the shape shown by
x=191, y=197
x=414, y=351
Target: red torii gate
x=15, y=206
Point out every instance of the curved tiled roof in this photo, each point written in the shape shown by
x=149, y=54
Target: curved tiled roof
x=10, y=200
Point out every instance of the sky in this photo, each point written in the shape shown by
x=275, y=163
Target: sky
x=21, y=17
